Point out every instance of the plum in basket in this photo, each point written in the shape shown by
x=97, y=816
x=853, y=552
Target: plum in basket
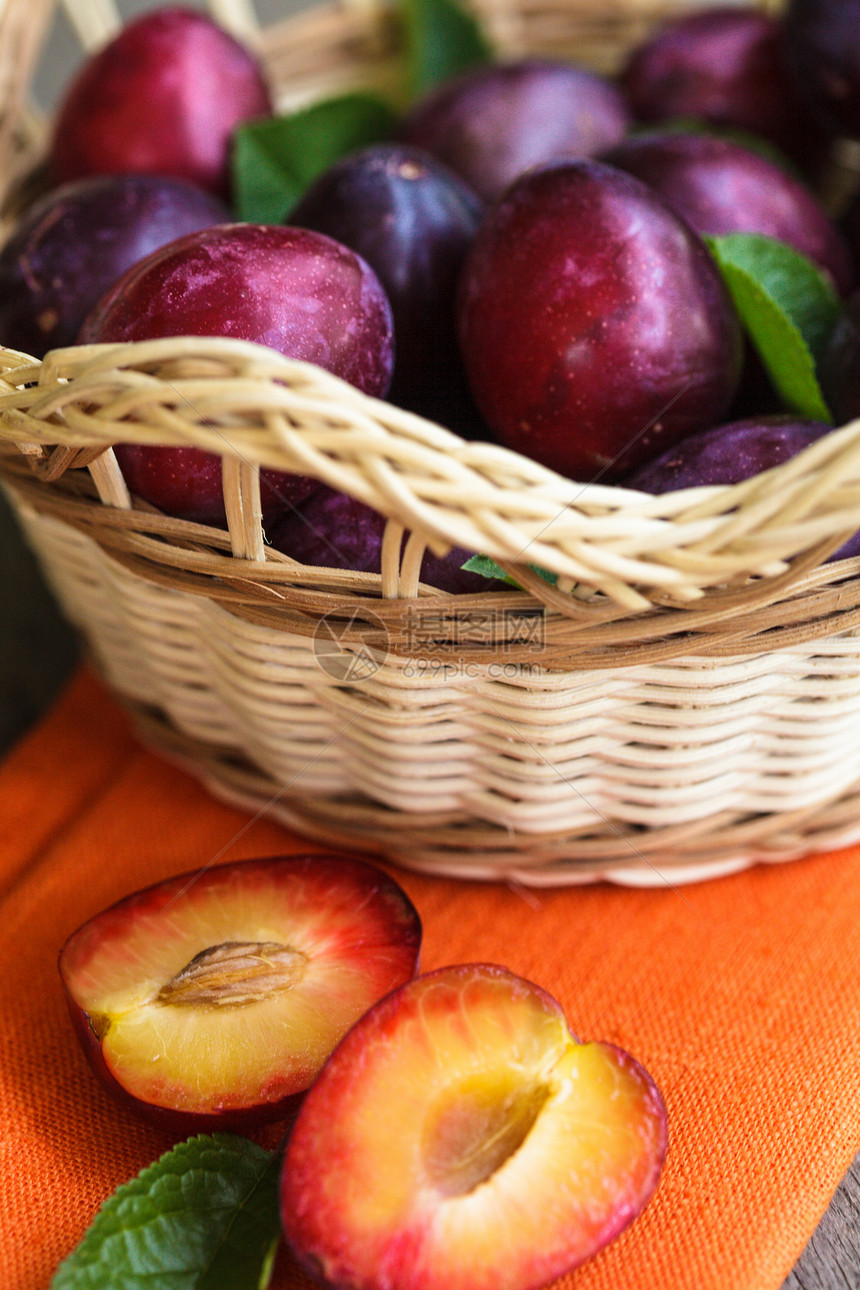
x=492, y=123
x=720, y=186
x=163, y=97
x=594, y=325
x=726, y=66
x=335, y=531
x=413, y=220
x=730, y=453
x=76, y=241
x=297, y=291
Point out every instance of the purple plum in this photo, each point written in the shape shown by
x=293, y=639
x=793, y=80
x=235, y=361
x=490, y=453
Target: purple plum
x=730, y=453
x=163, y=97
x=74, y=243
x=413, y=220
x=594, y=325
x=492, y=123
x=335, y=531
x=720, y=186
x=297, y=291
x=725, y=66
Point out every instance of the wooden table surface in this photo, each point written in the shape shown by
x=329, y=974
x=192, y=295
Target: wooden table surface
x=38, y=651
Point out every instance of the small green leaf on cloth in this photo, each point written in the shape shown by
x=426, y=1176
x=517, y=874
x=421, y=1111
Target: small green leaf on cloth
x=203, y=1217
x=787, y=307
x=276, y=159
x=442, y=39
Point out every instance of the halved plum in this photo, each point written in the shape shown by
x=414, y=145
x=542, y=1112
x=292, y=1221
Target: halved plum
x=212, y=999
x=459, y=1135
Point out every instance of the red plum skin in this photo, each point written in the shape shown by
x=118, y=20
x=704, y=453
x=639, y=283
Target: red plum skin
x=594, y=325
x=301, y=293
x=162, y=98
x=725, y=66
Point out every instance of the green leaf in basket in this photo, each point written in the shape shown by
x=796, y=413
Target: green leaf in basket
x=787, y=307
x=441, y=39
x=276, y=159
x=488, y=568
x=203, y=1217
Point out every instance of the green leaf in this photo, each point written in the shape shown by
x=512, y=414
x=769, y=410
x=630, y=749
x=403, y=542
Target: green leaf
x=488, y=568
x=787, y=307
x=276, y=159
x=441, y=39
x=203, y=1217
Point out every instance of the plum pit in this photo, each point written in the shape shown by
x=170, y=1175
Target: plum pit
x=478, y=1127
x=234, y=974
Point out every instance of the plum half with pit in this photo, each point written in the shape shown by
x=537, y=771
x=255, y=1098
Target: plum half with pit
x=77, y=240
x=297, y=291
x=163, y=97
x=730, y=453
x=335, y=531
x=720, y=186
x=413, y=220
x=212, y=999
x=492, y=123
x=594, y=325
x=725, y=66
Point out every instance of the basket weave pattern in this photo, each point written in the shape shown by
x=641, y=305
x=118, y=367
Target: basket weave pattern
x=683, y=700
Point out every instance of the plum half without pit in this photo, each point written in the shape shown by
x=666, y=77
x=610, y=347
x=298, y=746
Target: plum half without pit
x=459, y=1135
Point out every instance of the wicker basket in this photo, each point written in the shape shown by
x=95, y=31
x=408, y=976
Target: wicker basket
x=684, y=701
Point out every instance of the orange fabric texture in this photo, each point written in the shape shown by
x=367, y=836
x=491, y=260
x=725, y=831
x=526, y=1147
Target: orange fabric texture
x=740, y=996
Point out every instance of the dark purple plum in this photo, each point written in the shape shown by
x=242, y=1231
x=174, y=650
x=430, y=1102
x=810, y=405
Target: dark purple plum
x=730, y=453
x=335, y=531
x=725, y=66
x=74, y=243
x=594, y=325
x=163, y=97
x=720, y=186
x=840, y=364
x=822, y=44
x=755, y=395
x=297, y=291
x=492, y=123
x=413, y=220
x=850, y=224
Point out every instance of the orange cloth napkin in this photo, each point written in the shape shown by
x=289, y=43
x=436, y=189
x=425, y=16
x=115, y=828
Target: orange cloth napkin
x=740, y=996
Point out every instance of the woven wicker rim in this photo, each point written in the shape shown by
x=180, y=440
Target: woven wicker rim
x=620, y=557
x=741, y=748
x=633, y=568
